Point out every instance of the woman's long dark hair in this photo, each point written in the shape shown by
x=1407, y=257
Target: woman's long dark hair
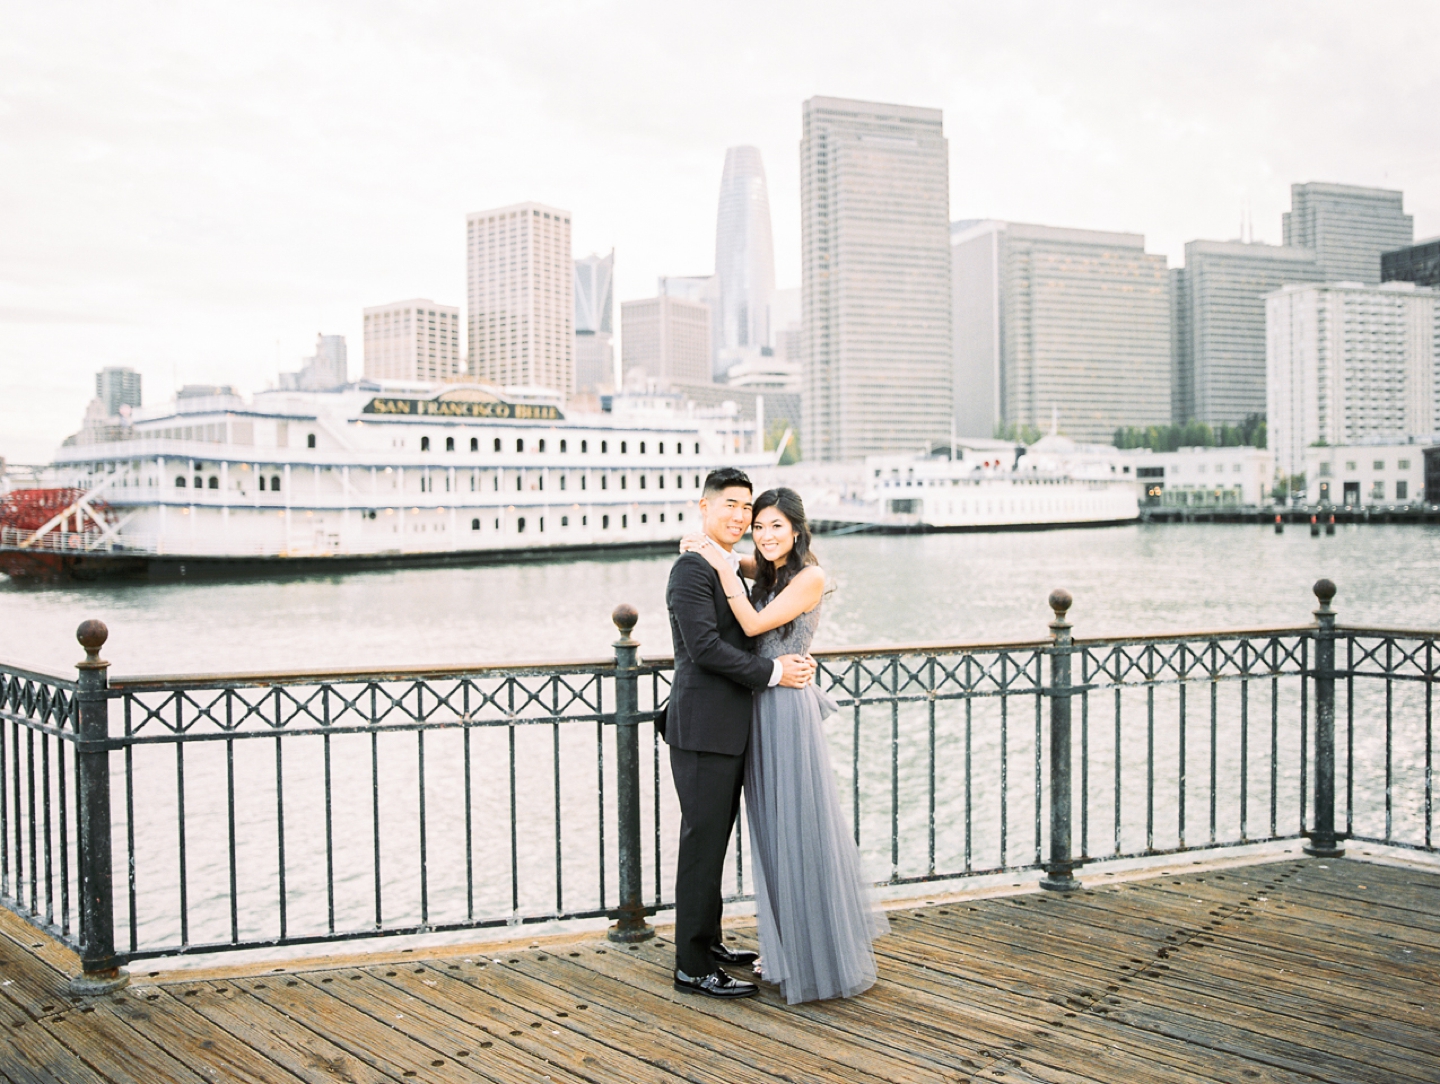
x=769, y=580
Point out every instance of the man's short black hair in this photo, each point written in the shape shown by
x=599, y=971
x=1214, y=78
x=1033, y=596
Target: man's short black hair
x=718, y=481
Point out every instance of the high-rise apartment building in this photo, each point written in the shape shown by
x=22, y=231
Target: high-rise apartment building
x=1348, y=227
x=520, y=280
x=1219, y=333
x=664, y=342
x=1346, y=363
x=594, y=323
x=117, y=386
x=413, y=340
x=1058, y=324
x=744, y=261
x=875, y=268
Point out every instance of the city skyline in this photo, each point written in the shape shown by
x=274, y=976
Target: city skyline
x=206, y=245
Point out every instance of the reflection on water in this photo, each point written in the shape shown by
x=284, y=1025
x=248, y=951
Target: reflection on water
x=888, y=590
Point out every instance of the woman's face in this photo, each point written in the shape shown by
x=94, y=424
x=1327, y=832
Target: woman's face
x=773, y=534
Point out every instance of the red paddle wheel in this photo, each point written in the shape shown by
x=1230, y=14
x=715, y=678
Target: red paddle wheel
x=26, y=511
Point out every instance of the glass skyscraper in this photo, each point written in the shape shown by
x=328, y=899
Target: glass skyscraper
x=744, y=260
x=594, y=323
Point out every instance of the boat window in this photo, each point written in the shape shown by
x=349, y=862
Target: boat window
x=449, y=444
x=275, y=482
x=309, y=440
x=642, y=447
x=424, y=444
x=604, y=481
x=679, y=481
x=623, y=481
x=520, y=525
x=542, y=524
x=697, y=447
x=519, y=445
x=624, y=521
x=642, y=481
x=474, y=444
x=644, y=517
x=584, y=446
x=562, y=481
x=604, y=447
x=661, y=480
x=562, y=447
x=179, y=481
x=697, y=481
x=497, y=444
x=474, y=524
x=679, y=517
x=605, y=522
x=214, y=482
x=662, y=447
x=582, y=481
x=564, y=521
x=261, y=479
x=199, y=482
x=624, y=446
x=517, y=480
x=542, y=444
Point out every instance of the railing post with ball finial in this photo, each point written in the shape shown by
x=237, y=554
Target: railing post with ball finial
x=1059, y=870
x=1323, y=842
x=630, y=924
x=100, y=966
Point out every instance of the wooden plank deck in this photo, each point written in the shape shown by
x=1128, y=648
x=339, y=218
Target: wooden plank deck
x=1291, y=971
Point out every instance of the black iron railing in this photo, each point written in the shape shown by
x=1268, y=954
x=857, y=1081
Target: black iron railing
x=250, y=810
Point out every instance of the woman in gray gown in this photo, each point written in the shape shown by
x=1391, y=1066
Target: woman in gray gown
x=817, y=921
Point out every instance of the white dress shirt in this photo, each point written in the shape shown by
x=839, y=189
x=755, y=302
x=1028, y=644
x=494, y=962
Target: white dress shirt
x=733, y=560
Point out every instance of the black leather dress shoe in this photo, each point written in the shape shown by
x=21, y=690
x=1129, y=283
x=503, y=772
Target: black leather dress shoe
x=715, y=984
x=724, y=954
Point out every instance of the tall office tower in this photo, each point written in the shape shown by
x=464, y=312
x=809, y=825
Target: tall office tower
x=664, y=341
x=874, y=207
x=1348, y=227
x=1060, y=324
x=1346, y=362
x=117, y=386
x=1220, y=325
x=744, y=260
x=706, y=290
x=329, y=367
x=520, y=295
x=416, y=340
x=594, y=323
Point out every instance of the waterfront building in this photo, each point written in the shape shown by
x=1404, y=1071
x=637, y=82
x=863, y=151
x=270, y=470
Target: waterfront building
x=520, y=281
x=594, y=324
x=1219, y=325
x=117, y=386
x=1348, y=227
x=1380, y=473
x=875, y=260
x=664, y=341
x=1054, y=323
x=413, y=340
x=1204, y=477
x=328, y=368
x=1345, y=363
x=744, y=261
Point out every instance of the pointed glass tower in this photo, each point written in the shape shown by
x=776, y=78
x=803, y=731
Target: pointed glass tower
x=744, y=260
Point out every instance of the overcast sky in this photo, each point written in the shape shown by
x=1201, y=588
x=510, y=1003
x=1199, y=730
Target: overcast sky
x=197, y=189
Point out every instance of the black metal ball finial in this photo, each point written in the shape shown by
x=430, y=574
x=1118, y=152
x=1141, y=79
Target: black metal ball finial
x=1324, y=591
x=92, y=635
x=1060, y=602
x=625, y=617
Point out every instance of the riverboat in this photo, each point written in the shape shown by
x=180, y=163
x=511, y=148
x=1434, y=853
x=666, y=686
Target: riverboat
x=371, y=475
x=975, y=486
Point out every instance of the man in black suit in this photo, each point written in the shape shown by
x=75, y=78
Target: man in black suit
x=707, y=727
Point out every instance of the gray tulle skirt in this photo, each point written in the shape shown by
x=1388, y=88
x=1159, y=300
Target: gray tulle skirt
x=815, y=910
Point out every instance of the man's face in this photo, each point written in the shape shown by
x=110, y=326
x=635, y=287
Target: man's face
x=726, y=515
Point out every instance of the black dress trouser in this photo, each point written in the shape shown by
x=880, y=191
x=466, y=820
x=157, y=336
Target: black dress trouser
x=708, y=786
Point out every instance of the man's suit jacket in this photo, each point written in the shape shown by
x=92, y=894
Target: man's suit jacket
x=715, y=671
